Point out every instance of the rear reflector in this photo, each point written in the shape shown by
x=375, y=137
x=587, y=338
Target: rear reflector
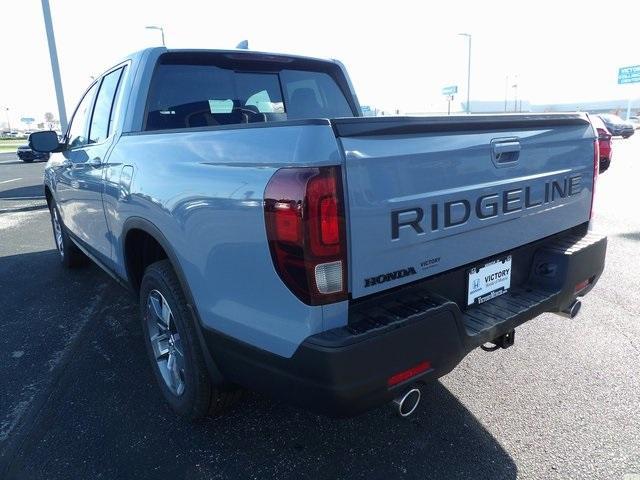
x=409, y=373
x=582, y=285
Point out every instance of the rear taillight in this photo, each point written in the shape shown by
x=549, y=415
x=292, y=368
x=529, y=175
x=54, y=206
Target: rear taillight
x=603, y=134
x=304, y=215
x=596, y=169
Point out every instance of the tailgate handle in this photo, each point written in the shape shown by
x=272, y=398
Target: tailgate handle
x=505, y=151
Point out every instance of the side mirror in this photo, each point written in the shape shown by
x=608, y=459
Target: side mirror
x=45, y=141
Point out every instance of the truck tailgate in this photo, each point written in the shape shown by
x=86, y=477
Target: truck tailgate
x=429, y=194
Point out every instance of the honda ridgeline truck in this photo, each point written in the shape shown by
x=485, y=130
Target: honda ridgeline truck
x=279, y=241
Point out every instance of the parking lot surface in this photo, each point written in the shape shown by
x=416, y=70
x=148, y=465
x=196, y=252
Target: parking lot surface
x=78, y=398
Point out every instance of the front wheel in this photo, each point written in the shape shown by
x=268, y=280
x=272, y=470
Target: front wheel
x=27, y=160
x=70, y=255
x=172, y=345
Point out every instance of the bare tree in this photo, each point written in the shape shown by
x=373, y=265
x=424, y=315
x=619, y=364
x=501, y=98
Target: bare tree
x=49, y=119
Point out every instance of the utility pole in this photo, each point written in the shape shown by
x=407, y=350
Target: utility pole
x=515, y=94
x=506, y=92
x=468, y=71
x=55, y=68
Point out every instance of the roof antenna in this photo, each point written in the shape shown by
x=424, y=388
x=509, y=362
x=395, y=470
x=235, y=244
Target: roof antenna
x=243, y=45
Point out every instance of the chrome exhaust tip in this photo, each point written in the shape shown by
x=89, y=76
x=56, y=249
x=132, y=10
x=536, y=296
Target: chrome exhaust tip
x=572, y=310
x=407, y=403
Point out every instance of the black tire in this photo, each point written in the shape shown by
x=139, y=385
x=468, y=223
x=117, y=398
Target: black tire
x=70, y=255
x=27, y=160
x=199, y=396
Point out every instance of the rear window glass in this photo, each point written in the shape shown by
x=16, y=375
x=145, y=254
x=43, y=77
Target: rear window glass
x=198, y=95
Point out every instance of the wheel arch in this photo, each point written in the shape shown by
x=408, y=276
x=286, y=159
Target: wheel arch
x=142, y=226
x=138, y=226
x=48, y=195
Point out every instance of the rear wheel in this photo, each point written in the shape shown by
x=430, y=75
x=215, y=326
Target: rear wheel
x=27, y=160
x=70, y=255
x=173, y=348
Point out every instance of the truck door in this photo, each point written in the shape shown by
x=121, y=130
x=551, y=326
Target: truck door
x=81, y=184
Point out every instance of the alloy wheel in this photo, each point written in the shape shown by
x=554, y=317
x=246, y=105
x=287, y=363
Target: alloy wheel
x=57, y=232
x=165, y=341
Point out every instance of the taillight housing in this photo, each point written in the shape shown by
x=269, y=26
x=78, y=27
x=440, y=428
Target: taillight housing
x=603, y=134
x=305, y=221
x=596, y=170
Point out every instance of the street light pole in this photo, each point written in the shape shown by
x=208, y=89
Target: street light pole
x=155, y=27
x=6, y=111
x=506, y=92
x=55, y=68
x=468, y=71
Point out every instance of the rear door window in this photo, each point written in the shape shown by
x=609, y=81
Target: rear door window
x=102, y=119
x=78, y=135
x=201, y=94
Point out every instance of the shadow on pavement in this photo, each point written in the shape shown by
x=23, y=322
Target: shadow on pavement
x=105, y=419
x=630, y=236
x=24, y=193
x=43, y=308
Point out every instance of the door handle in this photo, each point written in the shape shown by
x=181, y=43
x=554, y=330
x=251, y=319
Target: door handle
x=95, y=162
x=505, y=151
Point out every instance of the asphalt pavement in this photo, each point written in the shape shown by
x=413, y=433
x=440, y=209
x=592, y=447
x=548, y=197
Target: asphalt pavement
x=77, y=397
x=20, y=184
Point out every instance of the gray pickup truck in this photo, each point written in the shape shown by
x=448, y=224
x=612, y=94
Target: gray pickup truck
x=278, y=240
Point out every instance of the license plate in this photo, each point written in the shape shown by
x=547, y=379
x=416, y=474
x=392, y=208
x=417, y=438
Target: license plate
x=489, y=280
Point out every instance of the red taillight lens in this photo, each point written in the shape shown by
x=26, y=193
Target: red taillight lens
x=596, y=169
x=323, y=217
x=287, y=223
x=304, y=215
x=329, y=230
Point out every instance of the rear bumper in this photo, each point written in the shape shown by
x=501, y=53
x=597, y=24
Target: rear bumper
x=344, y=371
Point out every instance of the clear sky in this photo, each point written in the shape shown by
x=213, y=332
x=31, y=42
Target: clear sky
x=399, y=53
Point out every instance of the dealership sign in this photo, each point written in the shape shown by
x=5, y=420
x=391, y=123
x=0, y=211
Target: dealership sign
x=450, y=90
x=629, y=74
